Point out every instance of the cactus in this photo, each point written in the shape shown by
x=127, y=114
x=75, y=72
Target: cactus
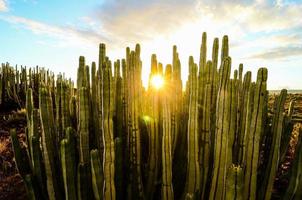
x=29, y=117
x=256, y=128
x=107, y=128
x=29, y=187
x=234, y=183
x=97, y=174
x=111, y=138
x=119, y=133
x=50, y=150
x=167, y=187
x=287, y=130
x=221, y=132
x=295, y=181
x=135, y=186
x=68, y=160
x=84, y=182
x=73, y=112
x=84, y=124
x=247, y=122
x=193, y=172
x=274, y=153
x=119, y=169
x=21, y=156
x=153, y=133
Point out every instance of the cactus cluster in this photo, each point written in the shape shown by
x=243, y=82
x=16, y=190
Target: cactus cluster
x=111, y=138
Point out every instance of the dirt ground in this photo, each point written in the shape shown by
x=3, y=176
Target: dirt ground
x=11, y=183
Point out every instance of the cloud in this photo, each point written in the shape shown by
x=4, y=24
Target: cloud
x=120, y=22
x=140, y=20
x=129, y=21
x=3, y=6
x=66, y=33
x=252, y=25
x=279, y=53
x=260, y=16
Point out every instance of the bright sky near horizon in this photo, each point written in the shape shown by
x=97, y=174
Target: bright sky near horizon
x=53, y=34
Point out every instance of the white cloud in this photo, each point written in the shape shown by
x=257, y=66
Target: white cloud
x=128, y=21
x=66, y=33
x=3, y=5
x=279, y=53
x=135, y=21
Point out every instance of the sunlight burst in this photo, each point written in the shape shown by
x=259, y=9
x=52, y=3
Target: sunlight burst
x=157, y=81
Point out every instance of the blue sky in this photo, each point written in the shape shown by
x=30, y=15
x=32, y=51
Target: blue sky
x=53, y=34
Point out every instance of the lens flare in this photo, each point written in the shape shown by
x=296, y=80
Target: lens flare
x=157, y=81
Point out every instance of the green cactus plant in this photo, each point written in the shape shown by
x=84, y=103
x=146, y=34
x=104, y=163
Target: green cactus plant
x=68, y=160
x=256, y=129
x=97, y=174
x=193, y=171
x=274, y=153
x=167, y=186
x=221, y=133
x=50, y=147
x=234, y=183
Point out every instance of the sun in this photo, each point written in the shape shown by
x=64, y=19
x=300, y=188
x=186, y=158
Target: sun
x=157, y=81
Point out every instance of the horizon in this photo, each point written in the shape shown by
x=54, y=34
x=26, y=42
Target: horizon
x=261, y=34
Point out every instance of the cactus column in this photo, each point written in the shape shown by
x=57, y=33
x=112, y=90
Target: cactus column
x=256, y=129
x=107, y=129
x=221, y=133
x=135, y=187
x=167, y=187
x=193, y=171
x=50, y=148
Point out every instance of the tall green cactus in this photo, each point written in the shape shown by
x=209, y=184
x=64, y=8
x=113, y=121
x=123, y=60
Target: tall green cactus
x=29, y=118
x=83, y=129
x=135, y=186
x=97, y=174
x=274, y=153
x=167, y=187
x=193, y=171
x=68, y=162
x=256, y=129
x=295, y=173
x=245, y=96
x=84, y=184
x=221, y=133
x=153, y=133
x=50, y=150
x=107, y=128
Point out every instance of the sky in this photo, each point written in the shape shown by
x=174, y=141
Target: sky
x=53, y=34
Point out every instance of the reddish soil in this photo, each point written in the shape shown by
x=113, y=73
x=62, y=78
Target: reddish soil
x=11, y=183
